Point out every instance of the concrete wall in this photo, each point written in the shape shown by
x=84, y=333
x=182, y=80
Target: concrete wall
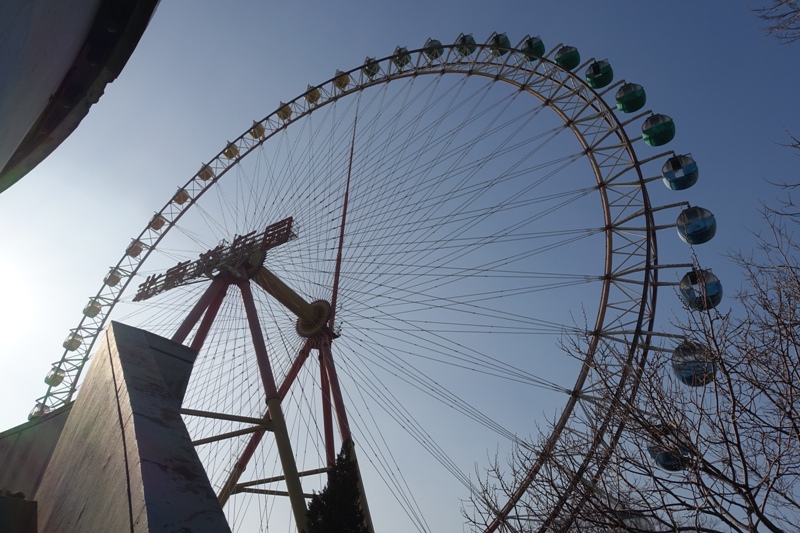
x=125, y=461
x=17, y=515
x=25, y=451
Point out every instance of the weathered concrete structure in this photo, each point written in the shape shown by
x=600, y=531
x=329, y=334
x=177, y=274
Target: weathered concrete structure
x=25, y=451
x=17, y=515
x=124, y=460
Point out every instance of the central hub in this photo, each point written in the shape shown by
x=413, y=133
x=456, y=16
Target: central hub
x=321, y=311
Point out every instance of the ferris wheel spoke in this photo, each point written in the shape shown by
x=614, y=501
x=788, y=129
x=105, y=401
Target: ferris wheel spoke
x=417, y=345
x=446, y=213
x=379, y=394
x=374, y=441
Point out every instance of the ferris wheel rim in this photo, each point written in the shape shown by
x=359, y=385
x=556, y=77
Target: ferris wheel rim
x=432, y=67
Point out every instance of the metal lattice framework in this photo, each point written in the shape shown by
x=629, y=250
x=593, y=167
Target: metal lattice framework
x=622, y=322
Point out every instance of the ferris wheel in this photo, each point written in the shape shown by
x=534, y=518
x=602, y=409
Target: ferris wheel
x=394, y=261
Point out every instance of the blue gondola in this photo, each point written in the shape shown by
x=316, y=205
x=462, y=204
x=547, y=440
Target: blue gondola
x=680, y=172
x=675, y=459
x=696, y=225
x=669, y=449
x=693, y=364
x=700, y=290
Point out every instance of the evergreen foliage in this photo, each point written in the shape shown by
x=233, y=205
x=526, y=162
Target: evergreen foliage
x=336, y=509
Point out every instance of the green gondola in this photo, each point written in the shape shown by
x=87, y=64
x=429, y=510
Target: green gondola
x=371, y=67
x=500, y=45
x=658, y=130
x=533, y=48
x=465, y=45
x=433, y=49
x=568, y=57
x=401, y=57
x=631, y=97
x=599, y=74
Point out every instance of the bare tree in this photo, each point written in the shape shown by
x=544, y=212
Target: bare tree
x=710, y=441
x=782, y=18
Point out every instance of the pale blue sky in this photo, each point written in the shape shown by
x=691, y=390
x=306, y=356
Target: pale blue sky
x=204, y=70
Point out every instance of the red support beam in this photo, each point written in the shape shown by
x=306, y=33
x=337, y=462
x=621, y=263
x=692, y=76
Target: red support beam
x=259, y=346
x=197, y=311
x=302, y=355
x=279, y=430
x=208, y=319
x=336, y=391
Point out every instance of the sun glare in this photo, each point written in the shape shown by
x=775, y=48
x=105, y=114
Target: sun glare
x=16, y=295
